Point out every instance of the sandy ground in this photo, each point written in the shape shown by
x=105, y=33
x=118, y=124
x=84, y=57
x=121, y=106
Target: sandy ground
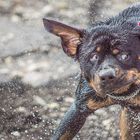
x=37, y=80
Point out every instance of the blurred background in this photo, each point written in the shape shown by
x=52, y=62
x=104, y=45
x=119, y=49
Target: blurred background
x=37, y=80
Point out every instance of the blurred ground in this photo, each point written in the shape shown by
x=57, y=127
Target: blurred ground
x=37, y=80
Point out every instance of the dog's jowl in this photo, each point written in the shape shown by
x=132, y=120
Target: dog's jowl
x=108, y=53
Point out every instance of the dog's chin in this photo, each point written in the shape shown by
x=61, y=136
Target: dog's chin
x=104, y=91
x=121, y=93
x=126, y=89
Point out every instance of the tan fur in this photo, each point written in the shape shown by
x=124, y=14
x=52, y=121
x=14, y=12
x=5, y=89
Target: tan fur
x=135, y=101
x=94, y=105
x=115, y=51
x=93, y=85
x=122, y=89
x=98, y=49
x=125, y=132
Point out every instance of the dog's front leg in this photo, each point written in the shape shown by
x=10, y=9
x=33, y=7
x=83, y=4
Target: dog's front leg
x=86, y=103
x=76, y=115
x=72, y=122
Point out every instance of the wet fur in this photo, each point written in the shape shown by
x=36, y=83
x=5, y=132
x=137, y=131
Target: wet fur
x=121, y=31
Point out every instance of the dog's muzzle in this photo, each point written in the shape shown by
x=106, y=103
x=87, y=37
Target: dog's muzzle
x=107, y=75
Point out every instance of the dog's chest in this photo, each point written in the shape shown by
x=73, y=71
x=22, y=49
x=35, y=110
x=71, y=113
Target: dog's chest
x=134, y=117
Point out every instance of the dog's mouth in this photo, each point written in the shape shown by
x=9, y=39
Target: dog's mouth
x=121, y=90
x=126, y=92
x=122, y=86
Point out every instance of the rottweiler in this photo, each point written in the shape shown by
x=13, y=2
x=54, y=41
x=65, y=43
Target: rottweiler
x=108, y=53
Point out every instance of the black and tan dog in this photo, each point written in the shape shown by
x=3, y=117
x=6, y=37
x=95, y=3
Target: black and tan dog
x=109, y=56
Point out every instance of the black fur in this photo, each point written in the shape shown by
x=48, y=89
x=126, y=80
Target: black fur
x=103, y=72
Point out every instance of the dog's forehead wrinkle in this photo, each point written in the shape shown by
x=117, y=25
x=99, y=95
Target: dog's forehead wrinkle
x=105, y=29
x=101, y=34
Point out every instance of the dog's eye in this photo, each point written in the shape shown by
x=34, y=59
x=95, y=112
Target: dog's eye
x=93, y=57
x=124, y=56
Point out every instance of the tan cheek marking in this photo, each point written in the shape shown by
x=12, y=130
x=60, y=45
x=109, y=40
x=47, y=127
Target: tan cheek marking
x=138, y=57
x=94, y=105
x=92, y=84
x=98, y=49
x=131, y=73
x=138, y=80
x=135, y=101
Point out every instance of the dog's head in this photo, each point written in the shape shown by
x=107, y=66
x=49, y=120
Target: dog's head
x=108, y=55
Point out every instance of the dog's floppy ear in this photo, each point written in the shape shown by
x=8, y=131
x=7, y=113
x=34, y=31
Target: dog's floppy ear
x=70, y=36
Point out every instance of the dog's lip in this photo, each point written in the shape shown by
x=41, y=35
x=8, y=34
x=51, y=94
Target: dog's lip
x=103, y=92
x=129, y=94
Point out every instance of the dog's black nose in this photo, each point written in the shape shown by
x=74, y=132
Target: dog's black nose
x=107, y=75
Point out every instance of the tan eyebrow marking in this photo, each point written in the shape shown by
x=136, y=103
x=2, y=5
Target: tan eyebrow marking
x=98, y=49
x=115, y=51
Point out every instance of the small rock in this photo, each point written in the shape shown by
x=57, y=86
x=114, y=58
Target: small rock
x=40, y=101
x=101, y=112
x=21, y=109
x=60, y=99
x=15, y=133
x=15, y=18
x=63, y=109
x=62, y=5
x=53, y=105
x=69, y=99
x=93, y=117
x=7, y=37
x=47, y=9
x=106, y=122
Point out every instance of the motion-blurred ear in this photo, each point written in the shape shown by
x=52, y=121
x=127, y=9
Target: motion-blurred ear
x=70, y=36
